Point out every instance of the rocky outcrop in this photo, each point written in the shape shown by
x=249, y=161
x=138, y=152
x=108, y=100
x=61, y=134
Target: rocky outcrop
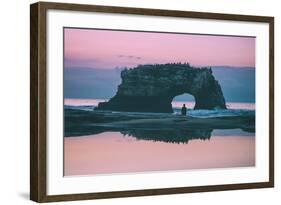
x=151, y=88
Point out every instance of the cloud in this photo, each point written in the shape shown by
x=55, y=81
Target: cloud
x=74, y=62
x=129, y=57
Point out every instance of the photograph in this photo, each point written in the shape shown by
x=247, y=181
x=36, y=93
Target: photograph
x=146, y=101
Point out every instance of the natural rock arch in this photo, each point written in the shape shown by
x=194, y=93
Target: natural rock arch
x=151, y=88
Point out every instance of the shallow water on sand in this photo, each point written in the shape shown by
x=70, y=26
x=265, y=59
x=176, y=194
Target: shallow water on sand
x=159, y=150
x=115, y=152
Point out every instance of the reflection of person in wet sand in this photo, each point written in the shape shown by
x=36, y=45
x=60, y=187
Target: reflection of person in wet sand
x=183, y=110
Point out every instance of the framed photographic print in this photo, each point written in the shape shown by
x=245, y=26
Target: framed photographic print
x=134, y=102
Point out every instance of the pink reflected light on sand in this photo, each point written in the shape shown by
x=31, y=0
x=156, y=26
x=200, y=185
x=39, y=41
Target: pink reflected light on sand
x=110, y=152
x=109, y=49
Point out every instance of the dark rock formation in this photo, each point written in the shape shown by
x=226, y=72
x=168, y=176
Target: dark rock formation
x=151, y=88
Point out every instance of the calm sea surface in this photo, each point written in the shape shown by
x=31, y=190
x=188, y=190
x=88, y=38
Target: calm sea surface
x=175, y=104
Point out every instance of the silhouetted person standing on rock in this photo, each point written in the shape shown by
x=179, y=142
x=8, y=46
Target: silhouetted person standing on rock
x=183, y=110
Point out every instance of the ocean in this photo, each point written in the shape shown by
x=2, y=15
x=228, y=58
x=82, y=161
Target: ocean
x=233, y=108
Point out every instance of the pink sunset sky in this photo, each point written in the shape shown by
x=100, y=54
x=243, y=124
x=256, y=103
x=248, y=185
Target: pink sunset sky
x=107, y=49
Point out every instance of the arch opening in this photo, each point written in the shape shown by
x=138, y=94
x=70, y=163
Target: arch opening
x=179, y=100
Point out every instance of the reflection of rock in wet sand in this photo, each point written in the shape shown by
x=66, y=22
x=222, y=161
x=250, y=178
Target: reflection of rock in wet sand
x=171, y=136
x=79, y=123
